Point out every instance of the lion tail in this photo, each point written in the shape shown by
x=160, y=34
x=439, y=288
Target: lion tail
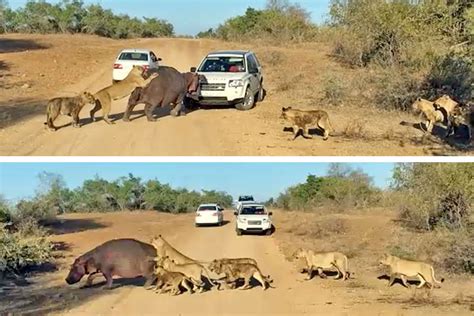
x=433, y=277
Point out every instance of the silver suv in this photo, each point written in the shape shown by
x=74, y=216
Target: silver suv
x=230, y=78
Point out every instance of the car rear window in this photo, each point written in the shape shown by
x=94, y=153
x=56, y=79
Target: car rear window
x=253, y=210
x=245, y=198
x=134, y=56
x=207, y=208
x=223, y=64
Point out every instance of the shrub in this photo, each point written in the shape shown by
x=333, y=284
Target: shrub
x=71, y=16
x=335, y=90
x=435, y=194
x=280, y=21
x=26, y=247
x=4, y=211
x=452, y=74
x=343, y=188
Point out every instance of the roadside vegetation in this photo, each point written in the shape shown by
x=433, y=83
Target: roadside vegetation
x=395, y=51
x=73, y=16
x=23, y=226
x=342, y=188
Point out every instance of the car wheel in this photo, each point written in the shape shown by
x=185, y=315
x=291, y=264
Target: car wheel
x=268, y=232
x=248, y=102
x=239, y=232
x=261, y=93
x=196, y=225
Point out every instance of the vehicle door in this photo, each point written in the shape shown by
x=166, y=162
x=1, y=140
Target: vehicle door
x=252, y=69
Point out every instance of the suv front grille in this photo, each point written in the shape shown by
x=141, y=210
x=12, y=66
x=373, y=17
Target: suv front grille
x=254, y=222
x=213, y=86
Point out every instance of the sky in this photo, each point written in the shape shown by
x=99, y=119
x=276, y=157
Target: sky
x=192, y=16
x=262, y=180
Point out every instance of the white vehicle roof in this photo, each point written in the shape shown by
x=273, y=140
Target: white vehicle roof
x=133, y=50
x=228, y=53
x=209, y=204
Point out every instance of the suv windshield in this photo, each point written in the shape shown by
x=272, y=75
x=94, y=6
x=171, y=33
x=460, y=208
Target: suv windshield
x=207, y=208
x=253, y=210
x=245, y=198
x=134, y=56
x=223, y=64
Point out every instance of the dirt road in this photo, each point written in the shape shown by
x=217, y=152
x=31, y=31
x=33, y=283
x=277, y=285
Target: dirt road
x=364, y=295
x=33, y=76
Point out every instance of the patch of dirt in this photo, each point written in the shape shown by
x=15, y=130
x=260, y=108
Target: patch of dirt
x=35, y=68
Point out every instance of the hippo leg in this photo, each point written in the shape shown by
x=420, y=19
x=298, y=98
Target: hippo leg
x=149, y=109
x=179, y=108
x=109, y=279
x=128, y=111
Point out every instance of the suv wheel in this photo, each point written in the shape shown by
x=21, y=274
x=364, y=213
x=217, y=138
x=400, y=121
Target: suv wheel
x=261, y=93
x=268, y=232
x=239, y=232
x=248, y=102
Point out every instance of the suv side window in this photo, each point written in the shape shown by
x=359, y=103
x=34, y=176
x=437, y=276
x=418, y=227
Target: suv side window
x=252, y=64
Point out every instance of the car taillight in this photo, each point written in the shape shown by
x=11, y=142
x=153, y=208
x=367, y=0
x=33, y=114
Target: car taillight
x=118, y=66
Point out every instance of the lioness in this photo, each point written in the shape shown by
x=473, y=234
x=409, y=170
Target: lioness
x=67, y=106
x=170, y=281
x=406, y=268
x=193, y=271
x=428, y=109
x=119, y=90
x=238, y=270
x=302, y=120
x=164, y=249
x=462, y=116
x=325, y=260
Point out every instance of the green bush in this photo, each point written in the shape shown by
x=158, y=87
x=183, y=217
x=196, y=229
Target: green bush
x=452, y=74
x=4, y=210
x=342, y=188
x=433, y=193
x=28, y=246
x=280, y=21
x=72, y=16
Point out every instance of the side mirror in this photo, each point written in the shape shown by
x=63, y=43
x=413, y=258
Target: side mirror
x=193, y=69
x=235, y=213
x=271, y=213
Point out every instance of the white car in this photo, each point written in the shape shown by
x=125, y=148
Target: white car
x=230, y=78
x=131, y=57
x=253, y=218
x=209, y=214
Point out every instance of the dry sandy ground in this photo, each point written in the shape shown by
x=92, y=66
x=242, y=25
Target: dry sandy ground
x=34, y=68
x=364, y=295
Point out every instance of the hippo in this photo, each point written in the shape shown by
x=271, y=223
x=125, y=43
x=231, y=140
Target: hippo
x=169, y=87
x=126, y=258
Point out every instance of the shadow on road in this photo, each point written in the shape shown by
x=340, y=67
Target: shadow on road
x=9, y=45
x=15, y=111
x=69, y=226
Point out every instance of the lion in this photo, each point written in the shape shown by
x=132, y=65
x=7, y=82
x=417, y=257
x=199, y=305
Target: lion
x=71, y=106
x=240, y=270
x=406, y=268
x=119, y=90
x=170, y=281
x=428, y=109
x=302, y=120
x=462, y=116
x=193, y=271
x=164, y=249
x=321, y=261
